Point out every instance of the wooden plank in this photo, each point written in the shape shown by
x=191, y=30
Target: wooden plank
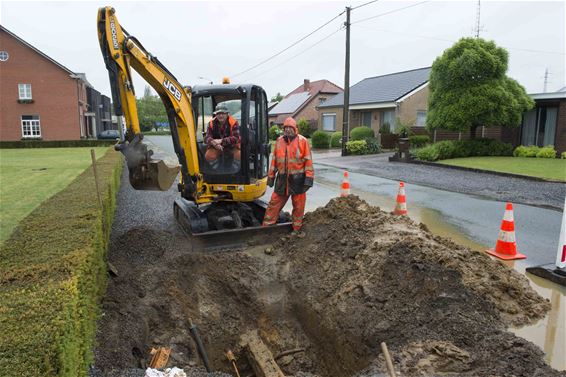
x=259, y=356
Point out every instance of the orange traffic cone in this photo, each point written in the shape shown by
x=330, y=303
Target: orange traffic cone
x=506, y=246
x=401, y=206
x=345, y=191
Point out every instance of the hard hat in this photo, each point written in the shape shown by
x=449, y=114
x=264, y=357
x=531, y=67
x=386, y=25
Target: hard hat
x=221, y=108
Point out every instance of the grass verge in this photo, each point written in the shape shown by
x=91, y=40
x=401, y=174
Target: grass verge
x=52, y=275
x=29, y=176
x=547, y=168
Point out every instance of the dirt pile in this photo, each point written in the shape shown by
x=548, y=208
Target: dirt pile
x=360, y=276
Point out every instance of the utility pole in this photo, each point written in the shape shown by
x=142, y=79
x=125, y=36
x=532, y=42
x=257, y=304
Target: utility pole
x=346, y=111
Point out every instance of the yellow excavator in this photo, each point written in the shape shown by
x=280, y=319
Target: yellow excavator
x=220, y=199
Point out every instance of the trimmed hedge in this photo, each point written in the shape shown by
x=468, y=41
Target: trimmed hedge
x=466, y=148
x=336, y=140
x=55, y=143
x=53, y=275
x=361, y=132
x=320, y=139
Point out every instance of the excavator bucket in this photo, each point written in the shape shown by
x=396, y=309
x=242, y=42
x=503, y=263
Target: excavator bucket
x=153, y=175
x=228, y=226
x=148, y=170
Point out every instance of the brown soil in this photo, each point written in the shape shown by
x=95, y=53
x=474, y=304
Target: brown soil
x=360, y=277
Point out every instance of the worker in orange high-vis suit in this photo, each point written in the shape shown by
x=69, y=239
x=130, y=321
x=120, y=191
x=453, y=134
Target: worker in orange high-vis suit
x=292, y=174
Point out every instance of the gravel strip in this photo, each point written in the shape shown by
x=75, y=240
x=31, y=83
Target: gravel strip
x=516, y=190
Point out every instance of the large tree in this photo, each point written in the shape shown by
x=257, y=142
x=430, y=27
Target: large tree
x=150, y=111
x=469, y=88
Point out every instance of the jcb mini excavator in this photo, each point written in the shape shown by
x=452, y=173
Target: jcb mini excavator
x=216, y=201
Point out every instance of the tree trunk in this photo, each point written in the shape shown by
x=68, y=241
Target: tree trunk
x=473, y=132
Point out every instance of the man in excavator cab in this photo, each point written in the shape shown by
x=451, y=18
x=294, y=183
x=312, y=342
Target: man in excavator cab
x=223, y=139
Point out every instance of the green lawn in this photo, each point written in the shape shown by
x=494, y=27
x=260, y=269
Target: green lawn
x=549, y=168
x=31, y=175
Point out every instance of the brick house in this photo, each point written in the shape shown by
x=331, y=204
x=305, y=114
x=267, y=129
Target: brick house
x=39, y=97
x=303, y=101
x=377, y=102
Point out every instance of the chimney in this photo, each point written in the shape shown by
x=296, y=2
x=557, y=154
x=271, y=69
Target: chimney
x=307, y=85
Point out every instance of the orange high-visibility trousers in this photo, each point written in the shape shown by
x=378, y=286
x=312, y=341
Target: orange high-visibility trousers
x=278, y=201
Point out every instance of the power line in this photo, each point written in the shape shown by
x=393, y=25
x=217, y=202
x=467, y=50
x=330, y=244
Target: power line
x=389, y=12
x=287, y=48
x=363, y=5
x=300, y=53
x=453, y=41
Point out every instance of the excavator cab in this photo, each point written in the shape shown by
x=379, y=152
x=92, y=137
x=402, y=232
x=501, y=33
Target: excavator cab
x=247, y=104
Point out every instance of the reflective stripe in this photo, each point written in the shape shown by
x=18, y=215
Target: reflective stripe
x=506, y=236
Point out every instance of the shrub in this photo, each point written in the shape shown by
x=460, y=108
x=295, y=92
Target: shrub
x=53, y=276
x=403, y=129
x=465, y=148
x=274, y=132
x=419, y=141
x=563, y=155
x=522, y=151
x=547, y=152
x=360, y=133
x=385, y=129
x=336, y=140
x=428, y=153
x=446, y=149
x=304, y=127
x=373, y=146
x=357, y=147
x=320, y=139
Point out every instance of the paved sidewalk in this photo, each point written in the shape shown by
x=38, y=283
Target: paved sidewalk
x=516, y=190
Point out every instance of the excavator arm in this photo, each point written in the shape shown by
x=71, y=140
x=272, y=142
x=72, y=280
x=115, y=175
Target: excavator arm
x=121, y=53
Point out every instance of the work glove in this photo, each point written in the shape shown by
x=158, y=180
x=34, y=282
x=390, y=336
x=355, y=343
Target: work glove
x=270, y=181
x=308, y=184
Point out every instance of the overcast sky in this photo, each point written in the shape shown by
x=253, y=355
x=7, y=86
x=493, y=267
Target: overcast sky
x=216, y=39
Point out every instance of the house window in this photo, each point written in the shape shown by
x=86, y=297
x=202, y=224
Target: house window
x=421, y=118
x=329, y=122
x=24, y=91
x=388, y=120
x=366, y=119
x=4, y=56
x=31, y=127
x=321, y=100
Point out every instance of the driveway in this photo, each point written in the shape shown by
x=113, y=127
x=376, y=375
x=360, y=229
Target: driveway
x=501, y=188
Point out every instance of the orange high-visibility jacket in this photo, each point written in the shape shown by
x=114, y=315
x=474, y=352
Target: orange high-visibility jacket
x=291, y=161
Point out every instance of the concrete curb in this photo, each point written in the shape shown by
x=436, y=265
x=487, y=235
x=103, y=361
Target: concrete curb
x=502, y=174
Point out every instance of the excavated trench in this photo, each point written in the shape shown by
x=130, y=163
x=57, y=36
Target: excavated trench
x=360, y=277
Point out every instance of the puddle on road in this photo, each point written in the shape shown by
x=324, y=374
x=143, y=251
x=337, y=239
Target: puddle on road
x=547, y=334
